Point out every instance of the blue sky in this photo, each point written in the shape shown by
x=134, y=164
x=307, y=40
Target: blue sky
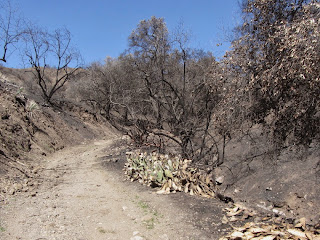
x=101, y=28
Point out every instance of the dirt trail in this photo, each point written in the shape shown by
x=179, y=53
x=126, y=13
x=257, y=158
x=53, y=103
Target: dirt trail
x=79, y=199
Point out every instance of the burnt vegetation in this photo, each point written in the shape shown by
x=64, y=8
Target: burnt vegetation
x=244, y=127
x=164, y=94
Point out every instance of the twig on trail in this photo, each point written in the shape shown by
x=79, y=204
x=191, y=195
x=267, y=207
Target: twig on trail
x=21, y=163
x=14, y=167
x=63, y=169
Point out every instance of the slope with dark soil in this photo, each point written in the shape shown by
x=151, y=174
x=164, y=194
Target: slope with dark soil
x=29, y=131
x=285, y=188
x=286, y=184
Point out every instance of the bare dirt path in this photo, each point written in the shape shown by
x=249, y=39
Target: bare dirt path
x=79, y=199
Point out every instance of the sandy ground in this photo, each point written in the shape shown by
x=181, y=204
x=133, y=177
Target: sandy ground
x=80, y=199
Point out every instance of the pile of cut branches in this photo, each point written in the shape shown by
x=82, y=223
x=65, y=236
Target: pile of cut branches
x=170, y=174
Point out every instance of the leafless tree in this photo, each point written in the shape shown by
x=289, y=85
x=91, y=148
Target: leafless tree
x=53, y=59
x=10, y=27
x=158, y=88
x=157, y=91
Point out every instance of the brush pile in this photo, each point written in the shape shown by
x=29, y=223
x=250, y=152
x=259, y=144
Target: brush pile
x=170, y=174
x=274, y=231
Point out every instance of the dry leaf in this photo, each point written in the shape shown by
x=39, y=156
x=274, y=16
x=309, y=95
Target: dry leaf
x=237, y=235
x=301, y=224
x=309, y=236
x=249, y=235
x=249, y=224
x=199, y=189
x=225, y=220
x=233, y=219
x=186, y=188
x=277, y=233
x=208, y=179
x=162, y=191
x=230, y=214
x=257, y=230
x=269, y=237
x=297, y=233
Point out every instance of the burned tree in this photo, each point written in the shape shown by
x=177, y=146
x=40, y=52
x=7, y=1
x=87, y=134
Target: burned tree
x=53, y=60
x=277, y=57
x=10, y=28
x=166, y=92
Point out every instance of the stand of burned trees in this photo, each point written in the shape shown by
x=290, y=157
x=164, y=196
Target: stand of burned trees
x=278, y=56
x=157, y=92
x=161, y=92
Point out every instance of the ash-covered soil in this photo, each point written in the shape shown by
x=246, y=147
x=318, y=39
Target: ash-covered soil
x=61, y=178
x=30, y=131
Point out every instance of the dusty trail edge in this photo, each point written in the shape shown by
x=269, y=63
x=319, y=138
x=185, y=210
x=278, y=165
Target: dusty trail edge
x=80, y=199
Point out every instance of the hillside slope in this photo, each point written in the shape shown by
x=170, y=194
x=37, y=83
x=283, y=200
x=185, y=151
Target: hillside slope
x=285, y=186
x=29, y=131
